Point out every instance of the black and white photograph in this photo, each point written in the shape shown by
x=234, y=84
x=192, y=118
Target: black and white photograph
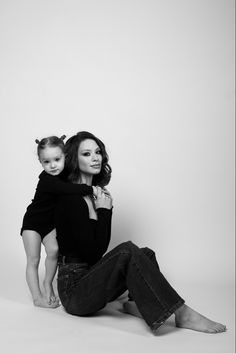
x=117, y=205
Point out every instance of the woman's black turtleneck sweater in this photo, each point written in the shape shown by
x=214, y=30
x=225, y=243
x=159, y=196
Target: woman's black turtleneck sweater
x=78, y=235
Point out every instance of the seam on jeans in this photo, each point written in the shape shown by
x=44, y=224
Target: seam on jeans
x=150, y=287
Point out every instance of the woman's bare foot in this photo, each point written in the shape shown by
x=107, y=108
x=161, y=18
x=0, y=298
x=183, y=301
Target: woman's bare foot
x=130, y=307
x=185, y=317
x=43, y=303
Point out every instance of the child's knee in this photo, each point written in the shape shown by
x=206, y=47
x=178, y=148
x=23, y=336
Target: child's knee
x=52, y=252
x=52, y=249
x=33, y=260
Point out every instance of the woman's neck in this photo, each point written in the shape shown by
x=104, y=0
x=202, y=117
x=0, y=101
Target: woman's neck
x=85, y=179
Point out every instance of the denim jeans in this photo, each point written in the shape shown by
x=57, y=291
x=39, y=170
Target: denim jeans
x=83, y=290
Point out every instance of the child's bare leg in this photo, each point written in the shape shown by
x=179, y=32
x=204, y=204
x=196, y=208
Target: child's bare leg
x=185, y=317
x=32, y=244
x=51, y=249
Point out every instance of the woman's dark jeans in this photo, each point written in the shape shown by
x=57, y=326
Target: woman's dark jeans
x=84, y=290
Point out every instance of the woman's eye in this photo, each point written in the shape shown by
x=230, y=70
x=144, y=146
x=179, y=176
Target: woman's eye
x=86, y=154
x=99, y=152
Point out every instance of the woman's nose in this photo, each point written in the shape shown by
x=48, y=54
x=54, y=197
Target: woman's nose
x=95, y=157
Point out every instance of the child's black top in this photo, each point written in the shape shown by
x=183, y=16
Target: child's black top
x=78, y=236
x=39, y=215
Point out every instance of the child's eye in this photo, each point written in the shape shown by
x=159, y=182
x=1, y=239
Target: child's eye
x=45, y=162
x=57, y=159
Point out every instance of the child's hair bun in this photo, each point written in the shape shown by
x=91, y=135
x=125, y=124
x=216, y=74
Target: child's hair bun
x=37, y=141
x=63, y=137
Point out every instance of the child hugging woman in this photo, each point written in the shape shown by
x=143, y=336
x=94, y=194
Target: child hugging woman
x=38, y=222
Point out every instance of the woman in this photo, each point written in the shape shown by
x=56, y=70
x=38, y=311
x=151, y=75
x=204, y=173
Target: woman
x=87, y=280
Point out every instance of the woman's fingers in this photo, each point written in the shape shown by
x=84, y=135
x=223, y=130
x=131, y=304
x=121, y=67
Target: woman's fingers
x=104, y=199
x=106, y=192
x=108, y=196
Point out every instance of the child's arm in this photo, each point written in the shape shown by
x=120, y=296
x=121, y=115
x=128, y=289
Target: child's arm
x=55, y=185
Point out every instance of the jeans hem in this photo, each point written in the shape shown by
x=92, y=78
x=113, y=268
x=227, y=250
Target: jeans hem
x=156, y=324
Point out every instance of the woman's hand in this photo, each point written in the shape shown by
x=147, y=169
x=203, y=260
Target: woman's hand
x=104, y=199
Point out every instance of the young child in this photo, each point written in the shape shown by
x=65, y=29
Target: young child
x=38, y=222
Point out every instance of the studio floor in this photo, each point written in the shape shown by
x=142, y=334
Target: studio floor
x=27, y=329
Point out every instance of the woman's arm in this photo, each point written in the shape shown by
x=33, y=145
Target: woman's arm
x=103, y=205
x=103, y=230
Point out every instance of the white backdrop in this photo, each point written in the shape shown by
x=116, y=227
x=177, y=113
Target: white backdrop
x=155, y=81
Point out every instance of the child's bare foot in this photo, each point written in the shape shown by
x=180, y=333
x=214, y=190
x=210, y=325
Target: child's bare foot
x=185, y=317
x=43, y=303
x=130, y=307
x=49, y=293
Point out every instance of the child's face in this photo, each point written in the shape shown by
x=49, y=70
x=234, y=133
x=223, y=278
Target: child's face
x=52, y=160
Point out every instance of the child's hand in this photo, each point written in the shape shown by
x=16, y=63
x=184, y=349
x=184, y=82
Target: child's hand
x=96, y=190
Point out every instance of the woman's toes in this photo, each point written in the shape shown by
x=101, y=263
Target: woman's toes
x=220, y=328
x=223, y=328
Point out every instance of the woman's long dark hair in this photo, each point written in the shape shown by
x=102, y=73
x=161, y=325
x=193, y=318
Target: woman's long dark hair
x=72, y=164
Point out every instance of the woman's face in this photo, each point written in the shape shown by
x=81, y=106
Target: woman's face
x=89, y=157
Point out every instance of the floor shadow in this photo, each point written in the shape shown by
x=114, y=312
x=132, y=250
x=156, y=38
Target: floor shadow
x=115, y=309
x=167, y=328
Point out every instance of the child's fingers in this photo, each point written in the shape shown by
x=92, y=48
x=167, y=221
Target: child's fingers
x=53, y=299
x=99, y=194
